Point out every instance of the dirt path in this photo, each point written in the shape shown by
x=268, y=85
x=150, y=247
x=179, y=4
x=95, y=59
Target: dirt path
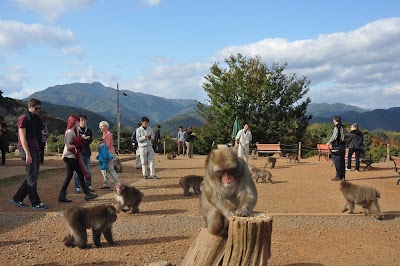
x=308, y=227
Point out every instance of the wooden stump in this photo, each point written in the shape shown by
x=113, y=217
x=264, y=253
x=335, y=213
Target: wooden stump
x=248, y=243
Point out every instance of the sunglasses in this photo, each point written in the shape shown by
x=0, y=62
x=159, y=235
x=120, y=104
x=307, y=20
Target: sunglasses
x=37, y=108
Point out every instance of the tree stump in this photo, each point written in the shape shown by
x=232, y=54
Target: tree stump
x=248, y=243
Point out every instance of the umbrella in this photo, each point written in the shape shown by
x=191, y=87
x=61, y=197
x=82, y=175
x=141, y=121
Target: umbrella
x=236, y=128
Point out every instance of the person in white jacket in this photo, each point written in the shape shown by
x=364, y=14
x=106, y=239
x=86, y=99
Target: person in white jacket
x=144, y=135
x=243, y=139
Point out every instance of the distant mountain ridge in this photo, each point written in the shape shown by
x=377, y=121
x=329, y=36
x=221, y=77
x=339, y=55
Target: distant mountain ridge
x=171, y=113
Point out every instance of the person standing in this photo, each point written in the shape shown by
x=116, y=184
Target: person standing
x=72, y=158
x=107, y=138
x=45, y=135
x=338, y=149
x=87, y=134
x=144, y=135
x=189, y=142
x=29, y=138
x=356, y=145
x=181, y=140
x=243, y=139
x=157, y=139
x=3, y=140
x=138, y=164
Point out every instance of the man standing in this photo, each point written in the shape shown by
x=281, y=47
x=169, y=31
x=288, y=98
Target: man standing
x=157, y=139
x=87, y=134
x=181, y=140
x=143, y=136
x=29, y=138
x=338, y=149
x=138, y=164
x=243, y=139
x=3, y=140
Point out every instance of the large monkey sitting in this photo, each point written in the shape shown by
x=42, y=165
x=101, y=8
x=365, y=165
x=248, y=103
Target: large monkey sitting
x=229, y=190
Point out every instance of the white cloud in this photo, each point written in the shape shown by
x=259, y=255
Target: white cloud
x=51, y=10
x=17, y=37
x=152, y=2
x=11, y=80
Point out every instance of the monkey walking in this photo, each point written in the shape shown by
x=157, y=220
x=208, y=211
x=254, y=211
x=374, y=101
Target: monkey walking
x=98, y=218
x=171, y=155
x=127, y=197
x=228, y=190
x=366, y=197
x=262, y=174
x=271, y=161
x=292, y=157
x=189, y=181
x=117, y=165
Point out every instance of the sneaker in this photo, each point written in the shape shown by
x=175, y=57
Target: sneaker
x=78, y=190
x=104, y=187
x=155, y=177
x=40, y=206
x=20, y=204
x=348, y=169
x=90, y=189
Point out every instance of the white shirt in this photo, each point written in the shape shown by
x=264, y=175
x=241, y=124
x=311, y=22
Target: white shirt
x=244, y=137
x=143, y=141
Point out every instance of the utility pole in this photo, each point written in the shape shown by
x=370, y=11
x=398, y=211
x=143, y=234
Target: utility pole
x=118, y=120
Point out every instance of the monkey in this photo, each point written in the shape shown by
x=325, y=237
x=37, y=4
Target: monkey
x=251, y=167
x=228, y=190
x=262, y=174
x=254, y=154
x=99, y=218
x=189, y=181
x=171, y=155
x=127, y=196
x=366, y=197
x=292, y=156
x=117, y=165
x=270, y=161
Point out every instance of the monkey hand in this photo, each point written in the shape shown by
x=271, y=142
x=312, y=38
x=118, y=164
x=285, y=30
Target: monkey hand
x=242, y=212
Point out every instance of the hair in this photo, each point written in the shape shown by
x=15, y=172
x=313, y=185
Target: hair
x=82, y=116
x=145, y=119
x=181, y=127
x=337, y=118
x=138, y=124
x=104, y=123
x=34, y=102
x=245, y=123
x=158, y=126
x=71, y=121
x=355, y=125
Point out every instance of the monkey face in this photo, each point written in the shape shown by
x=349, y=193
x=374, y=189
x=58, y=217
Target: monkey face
x=223, y=166
x=112, y=213
x=119, y=188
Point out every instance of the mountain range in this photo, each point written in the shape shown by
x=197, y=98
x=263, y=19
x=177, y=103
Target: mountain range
x=171, y=113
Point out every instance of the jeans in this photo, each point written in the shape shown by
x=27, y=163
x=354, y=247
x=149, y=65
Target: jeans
x=111, y=171
x=71, y=164
x=339, y=162
x=86, y=161
x=29, y=186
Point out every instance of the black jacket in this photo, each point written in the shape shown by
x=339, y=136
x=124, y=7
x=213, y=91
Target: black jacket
x=356, y=140
x=86, y=145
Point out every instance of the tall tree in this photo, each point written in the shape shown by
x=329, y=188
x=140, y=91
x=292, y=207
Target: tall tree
x=266, y=98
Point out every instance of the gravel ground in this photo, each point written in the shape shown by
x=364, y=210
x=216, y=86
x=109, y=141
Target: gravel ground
x=308, y=226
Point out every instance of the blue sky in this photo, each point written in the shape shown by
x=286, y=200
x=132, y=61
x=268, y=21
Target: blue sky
x=350, y=50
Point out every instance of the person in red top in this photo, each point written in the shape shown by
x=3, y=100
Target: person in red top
x=108, y=141
x=29, y=139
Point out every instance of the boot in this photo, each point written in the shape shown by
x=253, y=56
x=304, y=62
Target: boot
x=89, y=196
x=62, y=197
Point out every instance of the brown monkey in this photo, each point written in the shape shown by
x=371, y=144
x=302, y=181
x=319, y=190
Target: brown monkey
x=251, y=167
x=171, y=155
x=271, y=161
x=366, y=197
x=127, y=196
x=292, y=157
x=189, y=181
x=262, y=174
x=117, y=165
x=99, y=218
x=254, y=154
x=228, y=190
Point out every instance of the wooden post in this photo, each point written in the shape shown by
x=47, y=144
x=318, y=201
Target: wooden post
x=299, y=149
x=388, y=152
x=248, y=243
x=164, y=148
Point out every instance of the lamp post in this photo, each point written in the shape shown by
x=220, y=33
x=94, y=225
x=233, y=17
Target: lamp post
x=118, y=120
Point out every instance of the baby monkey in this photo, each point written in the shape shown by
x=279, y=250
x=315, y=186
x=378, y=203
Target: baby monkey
x=263, y=174
x=171, y=155
x=128, y=198
x=189, y=181
x=271, y=161
x=292, y=157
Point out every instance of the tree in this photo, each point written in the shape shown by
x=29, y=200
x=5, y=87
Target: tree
x=268, y=99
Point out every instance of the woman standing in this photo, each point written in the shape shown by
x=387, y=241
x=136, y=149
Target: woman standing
x=189, y=142
x=108, y=141
x=71, y=155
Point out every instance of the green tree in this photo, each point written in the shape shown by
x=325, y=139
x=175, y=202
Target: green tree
x=266, y=98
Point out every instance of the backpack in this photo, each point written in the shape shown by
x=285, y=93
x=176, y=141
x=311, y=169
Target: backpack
x=343, y=133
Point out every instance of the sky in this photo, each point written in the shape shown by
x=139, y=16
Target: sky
x=349, y=50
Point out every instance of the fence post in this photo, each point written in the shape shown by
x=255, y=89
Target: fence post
x=388, y=152
x=299, y=149
x=164, y=148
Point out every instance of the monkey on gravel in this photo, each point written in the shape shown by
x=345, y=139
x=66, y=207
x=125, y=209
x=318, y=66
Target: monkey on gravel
x=189, y=181
x=366, y=197
x=117, y=165
x=171, y=155
x=128, y=198
x=228, y=190
x=98, y=218
x=292, y=157
x=263, y=174
x=271, y=161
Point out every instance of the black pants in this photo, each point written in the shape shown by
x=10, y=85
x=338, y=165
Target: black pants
x=351, y=151
x=29, y=187
x=4, y=149
x=42, y=145
x=339, y=162
x=72, y=165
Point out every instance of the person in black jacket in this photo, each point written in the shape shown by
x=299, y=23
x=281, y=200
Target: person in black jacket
x=338, y=150
x=356, y=146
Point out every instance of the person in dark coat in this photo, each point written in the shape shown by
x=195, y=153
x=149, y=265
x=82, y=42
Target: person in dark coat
x=356, y=145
